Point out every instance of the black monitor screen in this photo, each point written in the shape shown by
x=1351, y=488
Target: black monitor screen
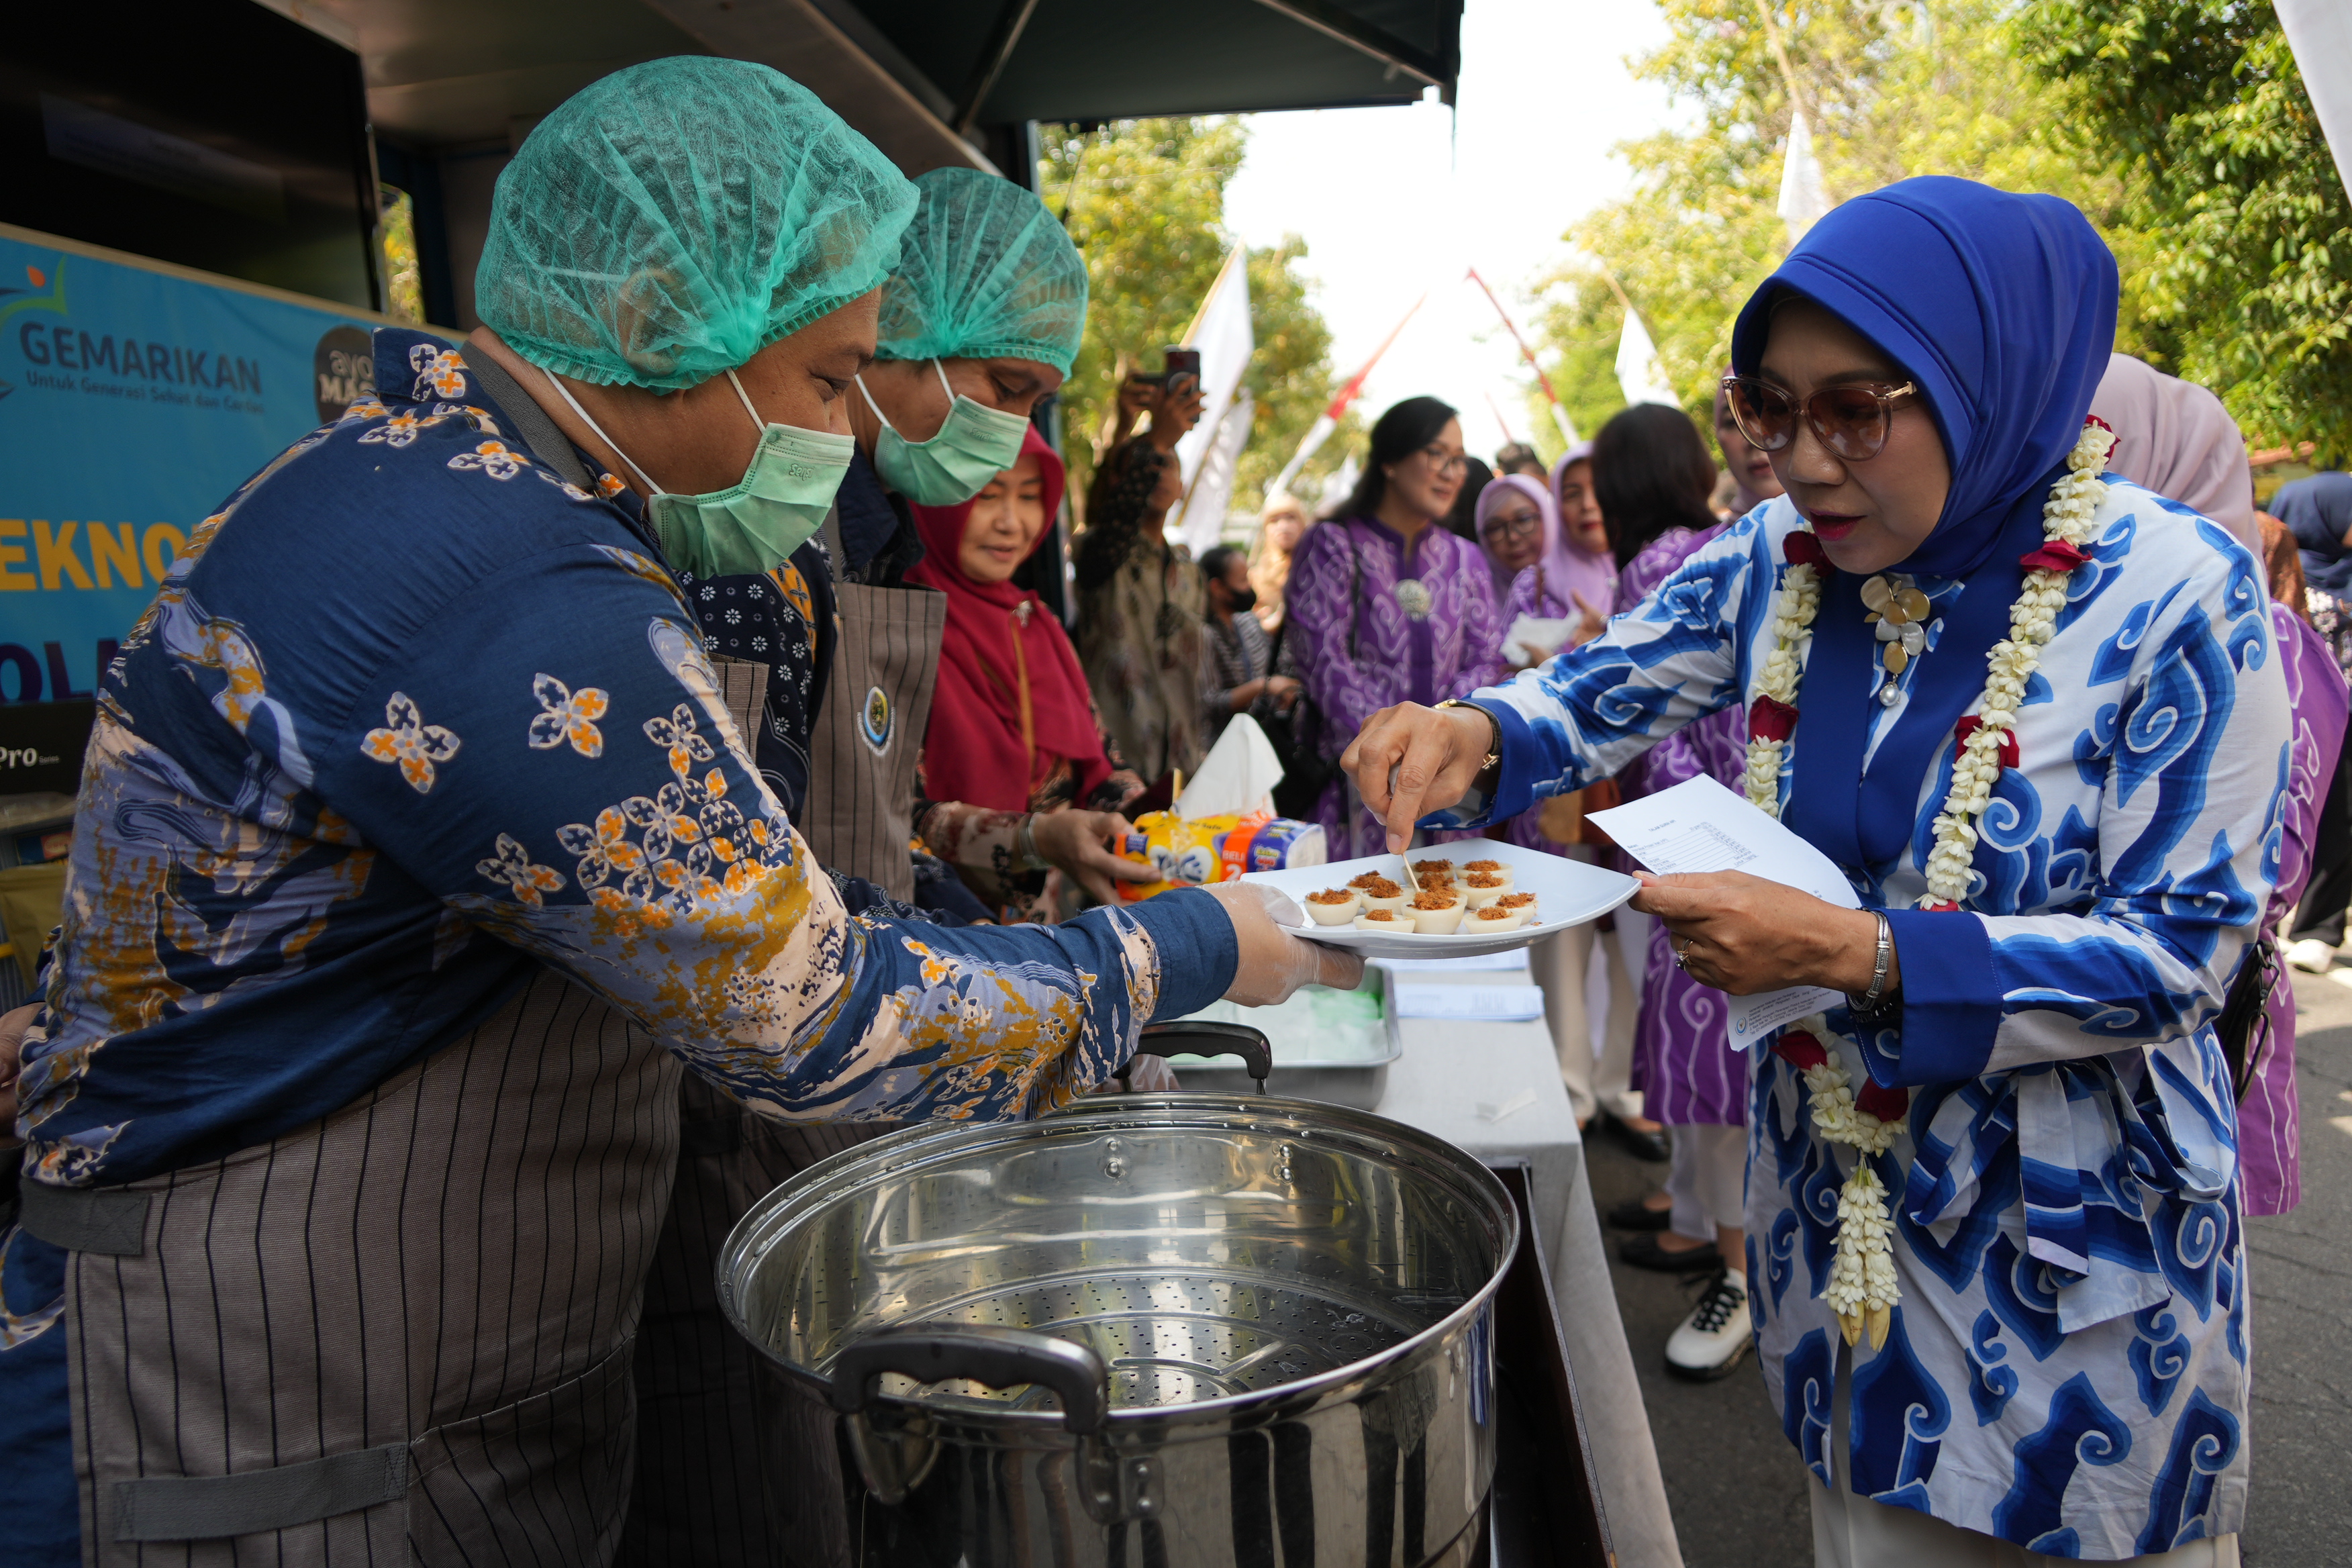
x=213, y=134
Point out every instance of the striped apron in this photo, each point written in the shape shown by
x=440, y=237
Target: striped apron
x=860, y=814
x=730, y=1474
x=400, y=1335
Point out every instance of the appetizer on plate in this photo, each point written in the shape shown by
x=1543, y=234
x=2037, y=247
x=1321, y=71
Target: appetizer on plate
x=1395, y=922
x=1482, y=888
x=1380, y=893
x=1489, y=868
x=1436, y=913
x=1334, y=906
x=1492, y=919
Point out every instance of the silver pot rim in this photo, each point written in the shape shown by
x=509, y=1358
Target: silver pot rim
x=826, y=1181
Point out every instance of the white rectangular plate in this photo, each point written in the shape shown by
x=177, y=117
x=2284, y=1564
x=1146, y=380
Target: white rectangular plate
x=1567, y=893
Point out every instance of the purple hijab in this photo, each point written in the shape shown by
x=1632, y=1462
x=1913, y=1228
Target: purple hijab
x=1568, y=572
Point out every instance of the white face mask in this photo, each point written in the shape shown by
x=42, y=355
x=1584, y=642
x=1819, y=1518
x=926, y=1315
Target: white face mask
x=974, y=444
x=754, y=525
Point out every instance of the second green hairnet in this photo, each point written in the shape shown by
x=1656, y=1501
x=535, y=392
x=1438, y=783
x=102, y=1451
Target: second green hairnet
x=671, y=220
x=985, y=273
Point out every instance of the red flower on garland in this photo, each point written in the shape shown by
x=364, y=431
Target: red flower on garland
x=2095, y=419
x=1802, y=548
x=1944, y=908
x=1770, y=719
x=1800, y=1050
x=1971, y=724
x=1887, y=1104
x=2055, y=556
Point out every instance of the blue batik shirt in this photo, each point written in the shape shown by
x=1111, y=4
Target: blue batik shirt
x=2067, y=1366
x=412, y=716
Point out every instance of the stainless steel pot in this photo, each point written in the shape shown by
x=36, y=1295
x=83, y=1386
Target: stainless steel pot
x=1174, y=1330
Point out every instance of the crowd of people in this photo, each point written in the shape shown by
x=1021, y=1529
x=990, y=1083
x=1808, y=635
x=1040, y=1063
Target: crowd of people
x=779, y=799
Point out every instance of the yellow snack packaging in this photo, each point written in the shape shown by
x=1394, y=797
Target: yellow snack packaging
x=1195, y=852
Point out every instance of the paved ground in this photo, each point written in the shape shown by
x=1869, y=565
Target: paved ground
x=1734, y=1482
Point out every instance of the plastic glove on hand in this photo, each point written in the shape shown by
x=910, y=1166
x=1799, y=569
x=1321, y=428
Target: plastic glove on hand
x=1149, y=1075
x=1274, y=964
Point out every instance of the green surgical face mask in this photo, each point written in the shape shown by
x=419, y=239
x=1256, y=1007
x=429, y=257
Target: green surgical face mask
x=974, y=444
x=753, y=526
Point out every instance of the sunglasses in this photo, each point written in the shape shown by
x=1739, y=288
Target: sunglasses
x=1850, y=420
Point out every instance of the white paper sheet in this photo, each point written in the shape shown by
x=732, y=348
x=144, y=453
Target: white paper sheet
x=1493, y=1003
x=1512, y=963
x=1699, y=826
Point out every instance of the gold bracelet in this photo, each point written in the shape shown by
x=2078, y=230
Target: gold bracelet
x=1495, y=752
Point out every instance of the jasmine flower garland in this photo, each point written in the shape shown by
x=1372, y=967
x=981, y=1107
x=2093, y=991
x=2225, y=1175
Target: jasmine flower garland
x=1862, y=1288
x=1988, y=744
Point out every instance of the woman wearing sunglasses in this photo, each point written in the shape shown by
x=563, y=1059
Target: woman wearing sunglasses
x=2036, y=716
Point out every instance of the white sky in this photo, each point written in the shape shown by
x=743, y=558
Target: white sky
x=1394, y=201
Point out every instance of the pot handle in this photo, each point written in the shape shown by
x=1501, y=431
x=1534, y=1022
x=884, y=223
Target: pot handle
x=1200, y=1038
x=1001, y=1358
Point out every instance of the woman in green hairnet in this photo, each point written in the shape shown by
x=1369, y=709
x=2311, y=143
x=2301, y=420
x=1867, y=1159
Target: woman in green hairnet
x=420, y=852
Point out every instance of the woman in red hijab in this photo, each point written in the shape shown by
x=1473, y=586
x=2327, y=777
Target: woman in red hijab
x=1012, y=728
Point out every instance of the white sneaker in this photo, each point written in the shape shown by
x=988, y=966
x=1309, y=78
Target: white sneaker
x=1715, y=1338
x=2311, y=955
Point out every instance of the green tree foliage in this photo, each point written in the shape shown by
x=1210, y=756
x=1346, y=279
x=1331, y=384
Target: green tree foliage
x=1145, y=202
x=2246, y=282
x=403, y=285
x=1891, y=90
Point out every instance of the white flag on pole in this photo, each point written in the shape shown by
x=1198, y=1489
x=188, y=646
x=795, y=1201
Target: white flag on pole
x=1638, y=376
x=1203, y=517
x=1221, y=333
x=1316, y=434
x=2320, y=34
x=1802, y=200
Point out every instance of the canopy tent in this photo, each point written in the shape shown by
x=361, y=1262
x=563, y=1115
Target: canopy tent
x=454, y=85
x=1076, y=59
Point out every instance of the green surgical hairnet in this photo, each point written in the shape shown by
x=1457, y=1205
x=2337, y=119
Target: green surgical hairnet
x=671, y=220
x=986, y=273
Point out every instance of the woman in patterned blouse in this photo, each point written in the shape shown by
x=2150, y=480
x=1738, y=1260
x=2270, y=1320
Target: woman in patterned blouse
x=1994, y=1188
x=1384, y=605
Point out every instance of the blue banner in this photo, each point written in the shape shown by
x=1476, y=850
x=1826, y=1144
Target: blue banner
x=134, y=399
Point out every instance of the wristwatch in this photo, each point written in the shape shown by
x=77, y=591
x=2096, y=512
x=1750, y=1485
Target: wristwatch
x=1494, y=752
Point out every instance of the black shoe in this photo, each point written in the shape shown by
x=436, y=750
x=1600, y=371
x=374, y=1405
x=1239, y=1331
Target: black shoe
x=1644, y=1252
x=1650, y=1146
x=1632, y=1215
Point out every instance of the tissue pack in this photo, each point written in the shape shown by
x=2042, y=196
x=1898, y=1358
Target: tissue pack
x=1190, y=852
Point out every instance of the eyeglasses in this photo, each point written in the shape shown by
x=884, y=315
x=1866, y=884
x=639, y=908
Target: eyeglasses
x=1526, y=525
x=1850, y=420
x=1445, y=462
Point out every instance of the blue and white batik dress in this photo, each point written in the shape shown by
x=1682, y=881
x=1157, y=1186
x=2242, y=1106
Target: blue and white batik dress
x=2067, y=1366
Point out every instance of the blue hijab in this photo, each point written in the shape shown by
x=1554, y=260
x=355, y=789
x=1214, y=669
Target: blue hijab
x=2318, y=512
x=2002, y=309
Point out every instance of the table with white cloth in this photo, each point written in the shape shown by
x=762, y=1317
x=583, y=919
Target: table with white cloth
x=1449, y=1069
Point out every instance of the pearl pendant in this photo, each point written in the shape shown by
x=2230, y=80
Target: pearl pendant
x=1890, y=693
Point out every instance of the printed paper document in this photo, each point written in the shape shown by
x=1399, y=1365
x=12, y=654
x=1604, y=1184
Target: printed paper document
x=1699, y=826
